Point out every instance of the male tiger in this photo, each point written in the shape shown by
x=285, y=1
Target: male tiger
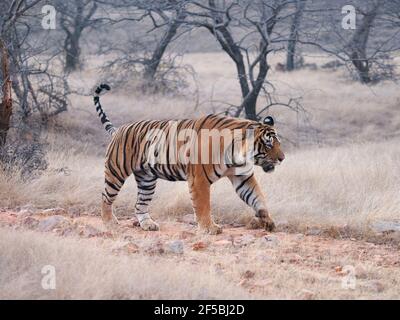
x=131, y=145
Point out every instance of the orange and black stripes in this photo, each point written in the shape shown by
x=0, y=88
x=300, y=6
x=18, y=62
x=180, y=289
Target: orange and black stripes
x=133, y=145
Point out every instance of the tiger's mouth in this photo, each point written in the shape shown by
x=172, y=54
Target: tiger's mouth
x=268, y=167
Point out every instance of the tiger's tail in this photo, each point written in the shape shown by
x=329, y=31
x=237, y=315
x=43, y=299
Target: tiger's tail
x=103, y=118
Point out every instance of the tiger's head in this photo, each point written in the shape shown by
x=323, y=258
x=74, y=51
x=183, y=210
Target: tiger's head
x=267, y=146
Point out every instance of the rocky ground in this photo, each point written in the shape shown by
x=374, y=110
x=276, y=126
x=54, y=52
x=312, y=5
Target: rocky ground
x=309, y=265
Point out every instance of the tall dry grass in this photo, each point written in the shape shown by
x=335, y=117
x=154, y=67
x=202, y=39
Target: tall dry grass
x=87, y=271
x=342, y=168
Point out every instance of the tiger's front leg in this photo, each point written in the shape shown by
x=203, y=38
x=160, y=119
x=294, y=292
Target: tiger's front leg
x=249, y=191
x=199, y=188
x=146, y=186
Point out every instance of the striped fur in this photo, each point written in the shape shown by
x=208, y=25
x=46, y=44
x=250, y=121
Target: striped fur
x=128, y=152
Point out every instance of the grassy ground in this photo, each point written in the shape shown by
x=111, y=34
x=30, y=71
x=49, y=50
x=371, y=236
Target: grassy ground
x=342, y=170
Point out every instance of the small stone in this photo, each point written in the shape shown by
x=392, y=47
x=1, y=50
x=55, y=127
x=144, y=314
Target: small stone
x=54, y=211
x=248, y=274
x=53, y=222
x=30, y=222
x=125, y=247
x=270, y=240
x=339, y=270
x=199, y=246
x=131, y=248
x=299, y=236
x=89, y=231
x=244, y=240
x=155, y=248
x=175, y=246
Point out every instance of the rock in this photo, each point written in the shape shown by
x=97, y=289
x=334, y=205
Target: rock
x=306, y=294
x=187, y=218
x=385, y=226
x=30, y=222
x=53, y=222
x=125, y=247
x=199, y=246
x=299, y=236
x=154, y=248
x=339, y=270
x=270, y=240
x=248, y=274
x=69, y=231
x=89, y=231
x=54, y=211
x=175, y=246
x=244, y=240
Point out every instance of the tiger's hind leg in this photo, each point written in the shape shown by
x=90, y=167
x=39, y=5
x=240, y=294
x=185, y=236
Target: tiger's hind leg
x=113, y=184
x=199, y=189
x=146, y=185
x=249, y=191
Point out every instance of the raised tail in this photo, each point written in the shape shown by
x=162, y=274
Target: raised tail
x=103, y=118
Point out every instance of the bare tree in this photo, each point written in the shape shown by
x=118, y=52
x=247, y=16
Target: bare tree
x=75, y=17
x=294, y=33
x=12, y=11
x=247, y=33
x=6, y=103
x=367, y=50
x=146, y=50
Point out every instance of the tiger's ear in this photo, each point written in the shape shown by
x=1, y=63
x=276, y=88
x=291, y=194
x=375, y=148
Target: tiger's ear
x=268, y=121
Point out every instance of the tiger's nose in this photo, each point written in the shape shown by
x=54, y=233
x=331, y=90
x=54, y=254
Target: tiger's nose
x=281, y=157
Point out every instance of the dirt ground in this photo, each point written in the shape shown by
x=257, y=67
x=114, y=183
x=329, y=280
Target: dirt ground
x=265, y=265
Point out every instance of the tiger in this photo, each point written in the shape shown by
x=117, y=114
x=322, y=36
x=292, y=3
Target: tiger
x=128, y=154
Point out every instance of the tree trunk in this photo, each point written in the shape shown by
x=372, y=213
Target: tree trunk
x=250, y=101
x=294, y=29
x=358, y=44
x=6, y=103
x=72, y=52
x=152, y=64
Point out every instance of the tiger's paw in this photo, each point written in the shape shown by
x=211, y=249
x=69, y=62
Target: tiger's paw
x=111, y=223
x=255, y=223
x=149, y=225
x=269, y=225
x=211, y=229
x=263, y=220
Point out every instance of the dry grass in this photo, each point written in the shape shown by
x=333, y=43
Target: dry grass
x=87, y=271
x=291, y=266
